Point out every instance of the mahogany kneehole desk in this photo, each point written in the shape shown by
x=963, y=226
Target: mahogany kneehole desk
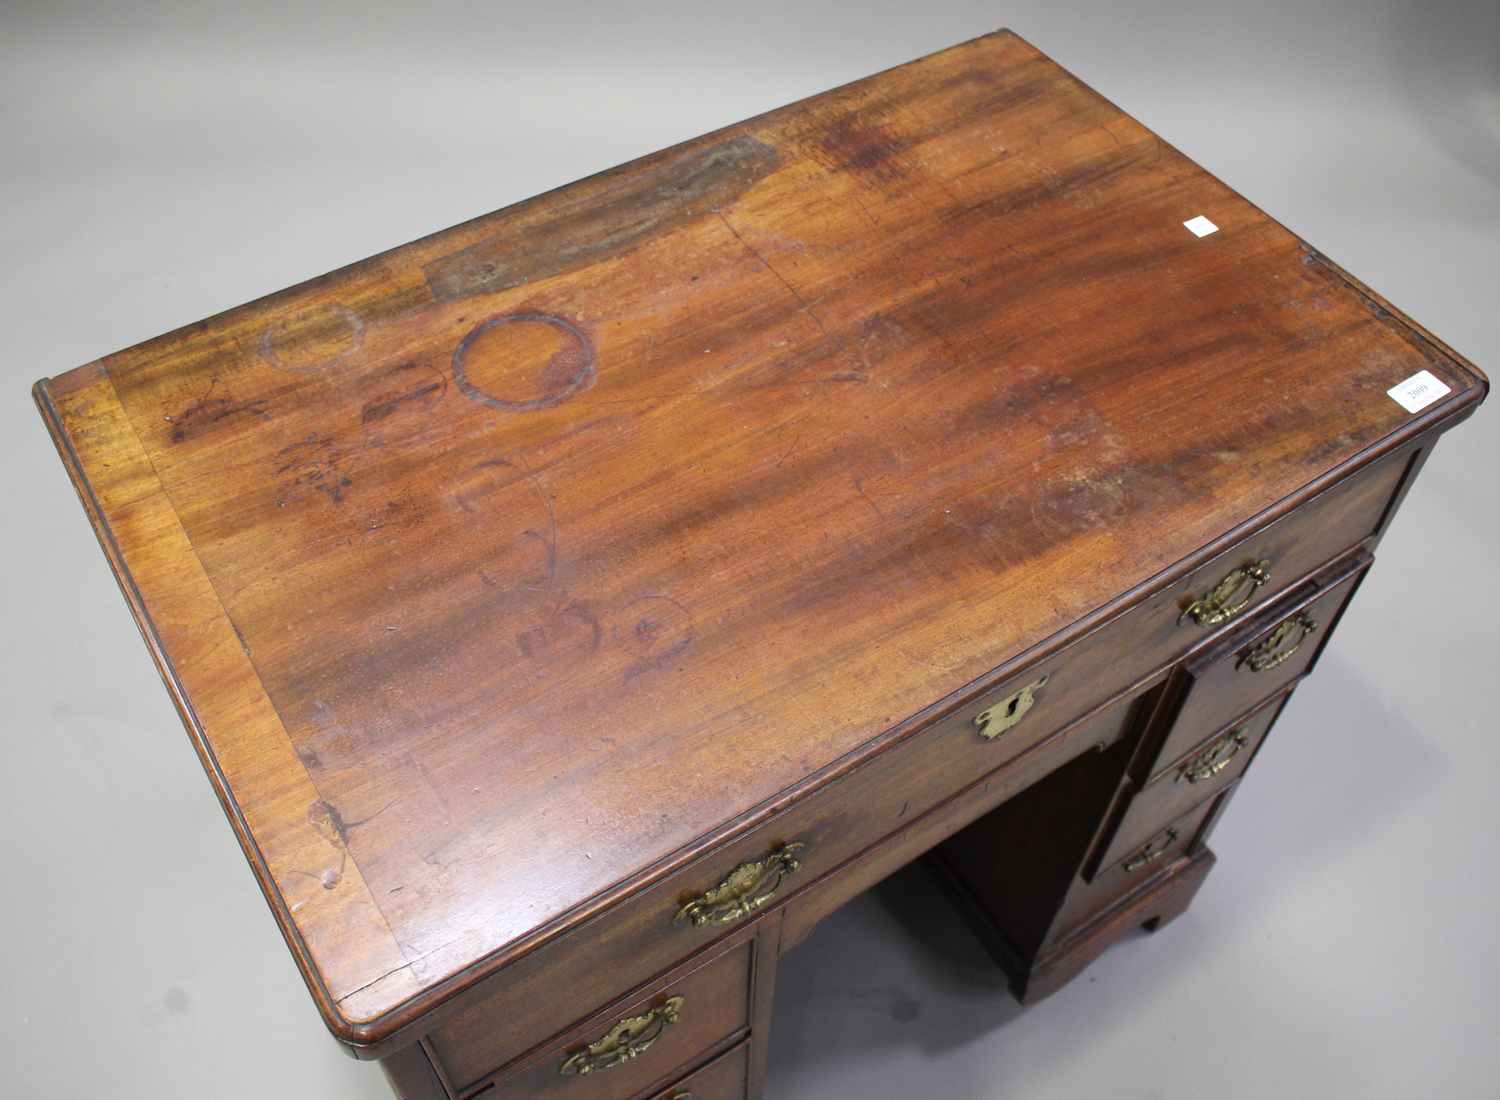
x=575, y=606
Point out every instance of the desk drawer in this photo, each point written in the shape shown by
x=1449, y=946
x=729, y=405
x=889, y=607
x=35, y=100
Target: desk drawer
x=1136, y=870
x=650, y=932
x=722, y=1079
x=1253, y=665
x=621, y=1052
x=1166, y=626
x=1163, y=629
x=1205, y=771
x=1015, y=725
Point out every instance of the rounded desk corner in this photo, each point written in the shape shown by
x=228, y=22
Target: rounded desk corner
x=364, y=1022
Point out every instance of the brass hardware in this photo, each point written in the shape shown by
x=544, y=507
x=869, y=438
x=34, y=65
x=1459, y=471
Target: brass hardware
x=1006, y=713
x=1214, y=759
x=1216, y=608
x=748, y=887
x=1152, y=850
x=626, y=1041
x=1268, y=653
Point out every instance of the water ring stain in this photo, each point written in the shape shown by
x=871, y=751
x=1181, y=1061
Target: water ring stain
x=524, y=361
x=313, y=339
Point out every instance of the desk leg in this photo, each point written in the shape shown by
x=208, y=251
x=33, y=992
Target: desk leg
x=767, y=950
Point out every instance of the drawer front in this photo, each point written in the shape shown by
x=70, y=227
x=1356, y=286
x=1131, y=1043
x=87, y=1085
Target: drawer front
x=807, y=908
x=1274, y=651
x=1225, y=592
x=639, y=938
x=624, y=1051
x=1136, y=870
x=1293, y=547
x=650, y=932
x=1018, y=724
x=722, y=1079
x=1200, y=775
x=1159, y=632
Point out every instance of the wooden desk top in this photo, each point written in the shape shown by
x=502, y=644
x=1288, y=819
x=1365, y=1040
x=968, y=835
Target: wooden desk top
x=502, y=572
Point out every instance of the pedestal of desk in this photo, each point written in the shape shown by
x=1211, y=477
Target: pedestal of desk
x=1117, y=838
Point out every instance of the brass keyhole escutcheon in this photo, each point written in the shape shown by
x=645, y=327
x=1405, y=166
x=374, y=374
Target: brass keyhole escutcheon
x=1229, y=597
x=1006, y=713
x=1268, y=653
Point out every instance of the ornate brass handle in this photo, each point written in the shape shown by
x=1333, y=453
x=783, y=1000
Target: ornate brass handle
x=1214, y=759
x=1268, y=653
x=1152, y=850
x=1217, y=607
x=1006, y=713
x=626, y=1041
x=748, y=887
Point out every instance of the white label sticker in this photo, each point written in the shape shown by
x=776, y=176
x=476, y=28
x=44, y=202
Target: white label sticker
x=1418, y=391
x=1201, y=226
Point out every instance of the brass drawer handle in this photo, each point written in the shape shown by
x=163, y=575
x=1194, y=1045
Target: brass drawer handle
x=1006, y=713
x=626, y=1041
x=1214, y=759
x=1268, y=653
x=1216, y=607
x=1152, y=850
x=748, y=887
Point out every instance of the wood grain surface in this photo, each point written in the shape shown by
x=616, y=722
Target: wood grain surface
x=501, y=573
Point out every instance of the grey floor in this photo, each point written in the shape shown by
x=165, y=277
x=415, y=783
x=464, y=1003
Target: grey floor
x=161, y=161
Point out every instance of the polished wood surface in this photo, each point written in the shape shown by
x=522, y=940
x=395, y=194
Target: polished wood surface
x=519, y=583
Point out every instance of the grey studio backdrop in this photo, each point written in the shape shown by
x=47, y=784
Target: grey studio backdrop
x=161, y=162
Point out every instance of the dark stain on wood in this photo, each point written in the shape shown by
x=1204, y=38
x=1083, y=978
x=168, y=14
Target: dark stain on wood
x=575, y=628
x=316, y=462
x=657, y=628
x=424, y=395
x=865, y=149
x=624, y=212
x=208, y=412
